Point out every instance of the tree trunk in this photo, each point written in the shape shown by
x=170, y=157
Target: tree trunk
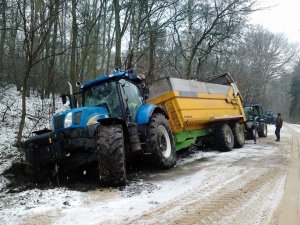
x=118, y=38
x=189, y=40
x=152, y=54
x=73, y=72
x=2, y=40
x=136, y=33
x=24, y=92
x=51, y=73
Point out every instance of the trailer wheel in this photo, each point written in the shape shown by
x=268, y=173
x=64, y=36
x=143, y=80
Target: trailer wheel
x=160, y=140
x=263, y=131
x=238, y=134
x=111, y=155
x=224, y=137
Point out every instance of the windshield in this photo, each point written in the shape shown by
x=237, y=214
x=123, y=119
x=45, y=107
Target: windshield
x=248, y=110
x=105, y=95
x=269, y=113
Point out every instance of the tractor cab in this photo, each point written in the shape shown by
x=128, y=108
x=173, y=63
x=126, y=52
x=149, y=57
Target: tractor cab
x=121, y=97
x=113, y=96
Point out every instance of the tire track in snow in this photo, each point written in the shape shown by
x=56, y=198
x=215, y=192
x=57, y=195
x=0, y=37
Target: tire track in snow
x=223, y=205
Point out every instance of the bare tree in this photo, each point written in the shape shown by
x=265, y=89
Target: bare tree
x=35, y=23
x=213, y=22
x=73, y=66
x=3, y=30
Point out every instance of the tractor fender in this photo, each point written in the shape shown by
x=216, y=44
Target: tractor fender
x=146, y=111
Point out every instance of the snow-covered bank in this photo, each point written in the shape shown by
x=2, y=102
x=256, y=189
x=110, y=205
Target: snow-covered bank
x=38, y=116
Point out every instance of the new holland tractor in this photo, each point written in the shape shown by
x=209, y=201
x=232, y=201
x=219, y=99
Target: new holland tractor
x=113, y=125
x=120, y=119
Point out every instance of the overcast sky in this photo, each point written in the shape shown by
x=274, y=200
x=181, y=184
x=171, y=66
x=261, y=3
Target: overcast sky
x=283, y=17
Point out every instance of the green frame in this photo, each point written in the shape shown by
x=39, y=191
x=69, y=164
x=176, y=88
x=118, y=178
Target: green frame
x=185, y=139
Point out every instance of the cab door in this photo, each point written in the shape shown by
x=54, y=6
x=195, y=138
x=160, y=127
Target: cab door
x=132, y=99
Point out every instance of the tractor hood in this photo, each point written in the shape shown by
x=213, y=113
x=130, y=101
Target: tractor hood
x=79, y=117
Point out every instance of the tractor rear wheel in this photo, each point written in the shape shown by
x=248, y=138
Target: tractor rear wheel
x=224, y=138
x=160, y=140
x=238, y=134
x=263, y=130
x=111, y=155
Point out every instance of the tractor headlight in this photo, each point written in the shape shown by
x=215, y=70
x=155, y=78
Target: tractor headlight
x=68, y=120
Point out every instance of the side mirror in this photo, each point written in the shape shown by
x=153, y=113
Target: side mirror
x=63, y=98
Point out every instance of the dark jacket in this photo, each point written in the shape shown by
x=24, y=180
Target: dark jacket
x=278, y=122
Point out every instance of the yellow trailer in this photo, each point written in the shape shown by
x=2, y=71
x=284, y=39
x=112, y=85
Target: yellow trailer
x=197, y=109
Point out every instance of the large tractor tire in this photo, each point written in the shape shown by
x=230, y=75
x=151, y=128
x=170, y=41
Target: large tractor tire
x=111, y=155
x=37, y=173
x=238, y=134
x=263, y=130
x=160, y=140
x=224, y=138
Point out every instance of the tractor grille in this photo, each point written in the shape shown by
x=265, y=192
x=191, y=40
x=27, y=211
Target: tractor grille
x=77, y=118
x=59, y=122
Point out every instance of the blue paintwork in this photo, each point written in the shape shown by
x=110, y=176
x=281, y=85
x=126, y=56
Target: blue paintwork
x=87, y=113
x=144, y=113
x=116, y=74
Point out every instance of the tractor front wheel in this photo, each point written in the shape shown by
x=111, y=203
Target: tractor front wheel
x=263, y=130
x=111, y=155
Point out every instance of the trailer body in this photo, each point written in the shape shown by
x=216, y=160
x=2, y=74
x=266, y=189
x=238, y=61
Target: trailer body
x=195, y=108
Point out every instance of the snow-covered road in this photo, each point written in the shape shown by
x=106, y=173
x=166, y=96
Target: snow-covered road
x=244, y=186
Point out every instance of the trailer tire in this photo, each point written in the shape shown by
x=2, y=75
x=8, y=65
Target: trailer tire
x=110, y=153
x=238, y=134
x=224, y=138
x=263, y=131
x=160, y=140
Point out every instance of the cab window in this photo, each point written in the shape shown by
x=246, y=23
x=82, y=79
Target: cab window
x=132, y=98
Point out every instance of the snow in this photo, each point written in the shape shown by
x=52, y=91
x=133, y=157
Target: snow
x=295, y=127
x=114, y=205
x=38, y=116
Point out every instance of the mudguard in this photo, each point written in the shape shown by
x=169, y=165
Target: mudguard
x=145, y=112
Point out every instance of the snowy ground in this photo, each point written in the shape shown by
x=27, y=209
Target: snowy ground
x=38, y=116
x=208, y=170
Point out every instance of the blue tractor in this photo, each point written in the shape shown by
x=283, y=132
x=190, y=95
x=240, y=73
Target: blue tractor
x=113, y=125
x=254, y=113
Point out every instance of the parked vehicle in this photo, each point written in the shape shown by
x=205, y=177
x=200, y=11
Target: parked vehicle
x=269, y=117
x=115, y=124
x=254, y=112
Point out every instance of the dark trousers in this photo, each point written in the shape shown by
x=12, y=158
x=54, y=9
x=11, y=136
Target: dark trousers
x=251, y=134
x=277, y=133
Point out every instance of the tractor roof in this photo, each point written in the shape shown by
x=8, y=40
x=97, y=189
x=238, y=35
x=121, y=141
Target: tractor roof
x=115, y=75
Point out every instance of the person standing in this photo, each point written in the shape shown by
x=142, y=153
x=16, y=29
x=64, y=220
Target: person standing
x=278, y=125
